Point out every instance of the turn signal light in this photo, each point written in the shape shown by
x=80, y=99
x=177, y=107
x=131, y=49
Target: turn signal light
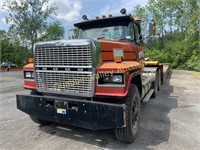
x=118, y=59
x=30, y=60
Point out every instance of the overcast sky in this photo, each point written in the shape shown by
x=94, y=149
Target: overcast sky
x=71, y=11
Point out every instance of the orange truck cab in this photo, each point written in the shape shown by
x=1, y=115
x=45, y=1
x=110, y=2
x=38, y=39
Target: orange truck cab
x=96, y=81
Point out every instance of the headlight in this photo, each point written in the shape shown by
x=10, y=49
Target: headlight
x=117, y=79
x=112, y=79
x=28, y=75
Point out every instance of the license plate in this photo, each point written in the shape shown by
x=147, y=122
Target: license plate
x=61, y=111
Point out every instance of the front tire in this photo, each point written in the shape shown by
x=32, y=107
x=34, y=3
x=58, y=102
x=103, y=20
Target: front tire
x=132, y=101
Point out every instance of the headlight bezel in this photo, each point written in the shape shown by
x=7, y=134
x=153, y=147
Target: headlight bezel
x=29, y=75
x=109, y=81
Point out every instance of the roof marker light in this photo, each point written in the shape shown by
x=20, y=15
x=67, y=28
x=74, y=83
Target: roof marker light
x=104, y=17
x=130, y=15
x=123, y=11
x=84, y=17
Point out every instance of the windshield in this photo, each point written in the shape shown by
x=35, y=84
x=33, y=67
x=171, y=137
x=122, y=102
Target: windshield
x=109, y=33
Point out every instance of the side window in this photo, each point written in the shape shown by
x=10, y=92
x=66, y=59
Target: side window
x=137, y=32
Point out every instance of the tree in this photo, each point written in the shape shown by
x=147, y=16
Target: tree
x=2, y=34
x=178, y=31
x=54, y=31
x=28, y=18
x=12, y=51
x=140, y=11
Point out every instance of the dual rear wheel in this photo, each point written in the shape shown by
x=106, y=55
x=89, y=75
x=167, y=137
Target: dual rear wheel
x=157, y=83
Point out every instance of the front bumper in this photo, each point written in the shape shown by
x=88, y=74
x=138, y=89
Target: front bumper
x=80, y=113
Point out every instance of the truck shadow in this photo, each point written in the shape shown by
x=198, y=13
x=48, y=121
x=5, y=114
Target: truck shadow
x=154, y=126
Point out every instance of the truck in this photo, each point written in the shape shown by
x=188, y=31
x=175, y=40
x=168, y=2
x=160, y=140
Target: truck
x=97, y=81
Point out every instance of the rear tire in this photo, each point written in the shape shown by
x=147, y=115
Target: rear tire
x=34, y=119
x=132, y=101
x=159, y=79
x=155, y=86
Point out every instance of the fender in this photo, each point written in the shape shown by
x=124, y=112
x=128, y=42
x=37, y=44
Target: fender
x=135, y=78
x=29, y=67
x=130, y=74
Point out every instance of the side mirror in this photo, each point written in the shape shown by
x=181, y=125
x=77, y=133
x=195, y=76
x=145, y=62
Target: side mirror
x=152, y=28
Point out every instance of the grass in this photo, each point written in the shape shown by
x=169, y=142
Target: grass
x=197, y=74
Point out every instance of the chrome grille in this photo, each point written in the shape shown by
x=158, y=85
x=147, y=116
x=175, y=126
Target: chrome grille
x=64, y=69
x=72, y=83
x=75, y=55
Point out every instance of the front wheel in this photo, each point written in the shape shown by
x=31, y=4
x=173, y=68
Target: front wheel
x=132, y=101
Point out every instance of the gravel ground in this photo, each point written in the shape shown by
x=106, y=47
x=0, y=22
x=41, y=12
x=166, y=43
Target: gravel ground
x=170, y=121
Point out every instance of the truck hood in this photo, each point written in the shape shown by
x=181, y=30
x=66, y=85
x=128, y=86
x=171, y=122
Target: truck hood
x=102, y=49
x=130, y=51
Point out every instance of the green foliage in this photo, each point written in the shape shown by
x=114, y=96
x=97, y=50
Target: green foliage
x=54, y=31
x=28, y=25
x=178, y=32
x=176, y=53
x=28, y=18
x=140, y=11
x=12, y=51
x=74, y=33
x=193, y=62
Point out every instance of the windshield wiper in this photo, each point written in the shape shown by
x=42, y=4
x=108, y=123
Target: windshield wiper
x=100, y=37
x=124, y=39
